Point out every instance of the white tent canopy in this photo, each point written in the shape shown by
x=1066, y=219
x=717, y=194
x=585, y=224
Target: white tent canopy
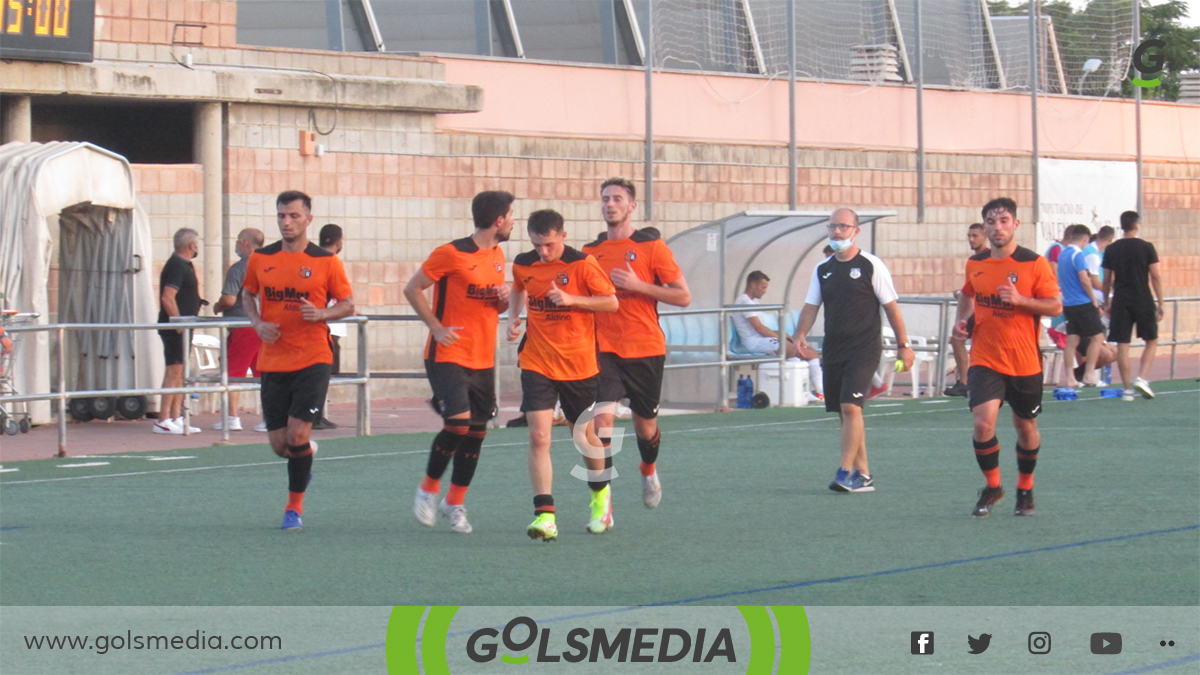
x=87, y=193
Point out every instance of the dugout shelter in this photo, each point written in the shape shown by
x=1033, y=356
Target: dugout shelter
x=715, y=259
x=77, y=201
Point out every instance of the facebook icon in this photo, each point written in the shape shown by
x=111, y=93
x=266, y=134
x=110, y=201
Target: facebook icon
x=922, y=642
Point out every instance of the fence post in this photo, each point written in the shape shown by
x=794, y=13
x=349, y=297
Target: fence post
x=62, y=395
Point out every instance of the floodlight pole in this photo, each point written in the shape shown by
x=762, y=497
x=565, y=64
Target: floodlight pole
x=648, y=62
x=1137, y=103
x=1033, y=96
x=791, y=37
x=920, y=79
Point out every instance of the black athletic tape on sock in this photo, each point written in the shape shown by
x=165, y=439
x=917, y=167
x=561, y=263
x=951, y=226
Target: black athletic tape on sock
x=299, y=469
x=649, y=448
x=543, y=504
x=1027, y=459
x=993, y=443
x=466, y=457
x=445, y=444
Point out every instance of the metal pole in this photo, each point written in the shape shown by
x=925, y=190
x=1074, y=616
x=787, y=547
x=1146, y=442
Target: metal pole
x=224, y=364
x=920, y=120
x=185, y=407
x=1137, y=105
x=62, y=396
x=1033, y=95
x=782, y=355
x=939, y=377
x=649, y=63
x=1174, y=331
x=364, y=394
x=791, y=37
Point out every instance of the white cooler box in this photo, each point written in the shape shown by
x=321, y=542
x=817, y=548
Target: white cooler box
x=795, y=382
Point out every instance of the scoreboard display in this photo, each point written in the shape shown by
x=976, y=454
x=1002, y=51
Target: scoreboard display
x=47, y=30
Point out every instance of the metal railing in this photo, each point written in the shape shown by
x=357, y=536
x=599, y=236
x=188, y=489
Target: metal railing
x=222, y=386
x=724, y=360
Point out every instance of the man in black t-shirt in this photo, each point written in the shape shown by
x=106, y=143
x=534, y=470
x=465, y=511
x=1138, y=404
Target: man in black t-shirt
x=853, y=285
x=179, y=295
x=1132, y=266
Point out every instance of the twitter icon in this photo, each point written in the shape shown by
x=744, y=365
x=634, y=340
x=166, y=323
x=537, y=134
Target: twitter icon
x=980, y=644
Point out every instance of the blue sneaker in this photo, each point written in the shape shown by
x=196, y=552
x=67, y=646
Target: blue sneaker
x=860, y=482
x=291, y=521
x=841, y=482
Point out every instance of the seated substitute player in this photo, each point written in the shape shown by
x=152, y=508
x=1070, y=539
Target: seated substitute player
x=757, y=338
x=287, y=287
x=1008, y=289
x=853, y=285
x=564, y=287
x=633, y=348
x=460, y=356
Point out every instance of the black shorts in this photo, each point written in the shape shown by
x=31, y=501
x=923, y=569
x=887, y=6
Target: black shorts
x=299, y=394
x=848, y=381
x=539, y=392
x=457, y=389
x=1023, y=393
x=1083, y=320
x=638, y=379
x=172, y=347
x=1123, y=317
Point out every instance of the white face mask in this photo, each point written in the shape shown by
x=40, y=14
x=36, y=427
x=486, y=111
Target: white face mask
x=840, y=245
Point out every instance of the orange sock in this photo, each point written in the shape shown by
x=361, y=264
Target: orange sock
x=993, y=477
x=1024, y=481
x=431, y=485
x=454, y=497
x=295, y=502
x=647, y=469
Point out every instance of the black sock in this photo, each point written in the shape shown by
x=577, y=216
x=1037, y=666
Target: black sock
x=299, y=469
x=598, y=485
x=1026, y=463
x=466, y=457
x=649, y=448
x=543, y=504
x=987, y=454
x=444, y=446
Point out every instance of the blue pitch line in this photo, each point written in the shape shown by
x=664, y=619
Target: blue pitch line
x=949, y=563
x=1159, y=666
x=14, y=527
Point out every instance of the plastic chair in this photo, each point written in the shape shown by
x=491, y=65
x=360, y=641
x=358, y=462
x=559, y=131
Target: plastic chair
x=206, y=355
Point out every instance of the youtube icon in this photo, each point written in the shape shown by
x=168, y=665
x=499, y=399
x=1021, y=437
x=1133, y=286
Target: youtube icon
x=1106, y=643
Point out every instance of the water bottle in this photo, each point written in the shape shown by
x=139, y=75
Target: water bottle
x=744, y=391
x=1108, y=373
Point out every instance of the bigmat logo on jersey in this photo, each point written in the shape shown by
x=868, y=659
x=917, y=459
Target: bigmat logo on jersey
x=741, y=642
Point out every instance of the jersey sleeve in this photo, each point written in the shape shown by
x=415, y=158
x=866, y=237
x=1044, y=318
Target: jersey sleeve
x=518, y=285
x=968, y=290
x=814, y=288
x=250, y=283
x=665, y=267
x=595, y=280
x=881, y=281
x=1046, y=283
x=1079, y=262
x=747, y=302
x=439, y=264
x=339, y=283
x=1152, y=254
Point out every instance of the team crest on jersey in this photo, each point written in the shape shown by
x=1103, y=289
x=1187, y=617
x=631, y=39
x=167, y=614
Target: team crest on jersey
x=1012, y=278
x=631, y=255
x=499, y=267
x=855, y=273
x=305, y=272
x=563, y=280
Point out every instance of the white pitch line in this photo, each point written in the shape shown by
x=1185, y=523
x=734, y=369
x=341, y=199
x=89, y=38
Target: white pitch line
x=495, y=445
x=8, y=470
x=940, y=400
x=73, y=466
x=168, y=459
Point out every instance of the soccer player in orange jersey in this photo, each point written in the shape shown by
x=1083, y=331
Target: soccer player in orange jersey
x=460, y=356
x=1008, y=289
x=632, y=346
x=563, y=289
x=285, y=294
